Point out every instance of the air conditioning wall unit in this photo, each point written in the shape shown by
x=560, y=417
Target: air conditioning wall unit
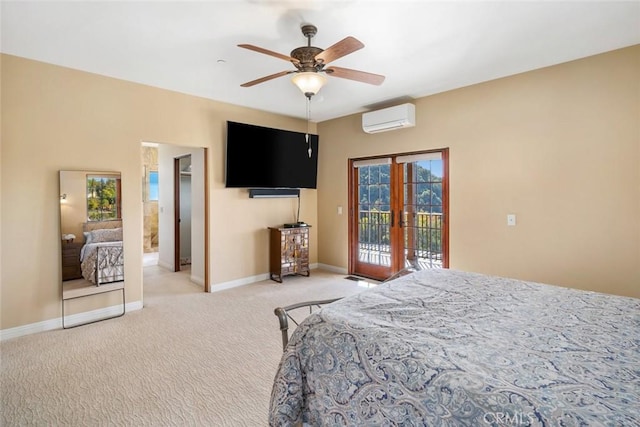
x=392, y=118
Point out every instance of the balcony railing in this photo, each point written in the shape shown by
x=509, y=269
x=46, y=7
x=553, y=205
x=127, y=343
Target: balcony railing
x=422, y=238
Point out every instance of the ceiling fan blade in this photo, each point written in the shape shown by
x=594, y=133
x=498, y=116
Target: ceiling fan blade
x=360, y=76
x=338, y=50
x=269, y=52
x=266, y=78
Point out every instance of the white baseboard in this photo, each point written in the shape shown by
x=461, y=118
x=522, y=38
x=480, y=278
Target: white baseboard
x=165, y=265
x=52, y=324
x=197, y=280
x=333, y=269
x=238, y=282
x=246, y=281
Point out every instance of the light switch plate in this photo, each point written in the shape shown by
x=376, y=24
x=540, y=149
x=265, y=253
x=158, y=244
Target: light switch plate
x=511, y=219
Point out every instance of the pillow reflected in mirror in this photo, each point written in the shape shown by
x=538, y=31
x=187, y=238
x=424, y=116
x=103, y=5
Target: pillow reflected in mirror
x=103, y=235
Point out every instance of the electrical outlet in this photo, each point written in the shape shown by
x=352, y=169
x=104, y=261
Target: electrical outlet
x=511, y=219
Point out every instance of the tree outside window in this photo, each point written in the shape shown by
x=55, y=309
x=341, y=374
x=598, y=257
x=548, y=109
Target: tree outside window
x=103, y=198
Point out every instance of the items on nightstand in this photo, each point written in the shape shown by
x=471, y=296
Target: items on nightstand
x=68, y=237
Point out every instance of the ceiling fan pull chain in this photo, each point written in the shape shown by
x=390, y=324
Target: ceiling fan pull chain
x=308, y=124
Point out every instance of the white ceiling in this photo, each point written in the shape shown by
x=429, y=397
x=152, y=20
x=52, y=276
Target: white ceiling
x=422, y=48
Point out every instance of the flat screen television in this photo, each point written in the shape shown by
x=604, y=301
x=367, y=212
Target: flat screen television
x=261, y=157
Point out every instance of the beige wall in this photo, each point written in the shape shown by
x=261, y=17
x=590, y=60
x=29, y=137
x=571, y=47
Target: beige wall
x=55, y=118
x=559, y=147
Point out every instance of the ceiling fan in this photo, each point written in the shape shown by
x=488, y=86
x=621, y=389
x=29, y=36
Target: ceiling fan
x=311, y=63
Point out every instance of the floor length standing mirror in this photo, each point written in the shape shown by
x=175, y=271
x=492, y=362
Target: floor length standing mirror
x=91, y=246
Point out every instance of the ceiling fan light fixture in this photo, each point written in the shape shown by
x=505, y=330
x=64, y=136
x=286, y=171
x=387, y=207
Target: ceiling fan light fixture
x=309, y=82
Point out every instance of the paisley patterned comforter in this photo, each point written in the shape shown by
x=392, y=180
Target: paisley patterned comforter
x=448, y=348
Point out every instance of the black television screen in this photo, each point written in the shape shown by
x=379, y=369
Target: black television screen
x=260, y=157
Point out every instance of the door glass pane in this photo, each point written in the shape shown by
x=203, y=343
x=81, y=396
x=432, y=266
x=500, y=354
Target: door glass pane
x=423, y=213
x=374, y=218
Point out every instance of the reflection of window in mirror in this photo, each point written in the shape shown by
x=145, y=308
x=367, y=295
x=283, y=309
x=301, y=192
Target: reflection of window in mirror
x=103, y=197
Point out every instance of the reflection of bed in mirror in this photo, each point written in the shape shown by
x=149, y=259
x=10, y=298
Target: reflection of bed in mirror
x=102, y=256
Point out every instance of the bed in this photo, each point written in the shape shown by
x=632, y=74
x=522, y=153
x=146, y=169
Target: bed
x=450, y=348
x=102, y=255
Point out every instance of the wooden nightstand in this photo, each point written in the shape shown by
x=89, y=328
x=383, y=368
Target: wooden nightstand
x=71, y=261
x=289, y=252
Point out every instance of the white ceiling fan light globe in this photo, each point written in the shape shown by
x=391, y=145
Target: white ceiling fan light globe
x=309, y=82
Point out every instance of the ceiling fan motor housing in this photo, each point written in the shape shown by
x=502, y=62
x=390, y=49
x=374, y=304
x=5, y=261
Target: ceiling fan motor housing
x=306, y=56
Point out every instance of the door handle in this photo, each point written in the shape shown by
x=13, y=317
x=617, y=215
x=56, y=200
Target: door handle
x=391, y=218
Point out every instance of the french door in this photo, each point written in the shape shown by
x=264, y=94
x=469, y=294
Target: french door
x=399, y=213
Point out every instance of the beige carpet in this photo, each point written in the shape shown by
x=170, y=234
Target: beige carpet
x=186, y=358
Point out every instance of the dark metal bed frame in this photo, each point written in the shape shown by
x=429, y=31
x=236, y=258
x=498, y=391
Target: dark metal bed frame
x=117, y=270
x=284, y=313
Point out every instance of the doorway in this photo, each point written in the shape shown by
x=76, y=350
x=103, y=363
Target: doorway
x=182, y=172
x=400, y=206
